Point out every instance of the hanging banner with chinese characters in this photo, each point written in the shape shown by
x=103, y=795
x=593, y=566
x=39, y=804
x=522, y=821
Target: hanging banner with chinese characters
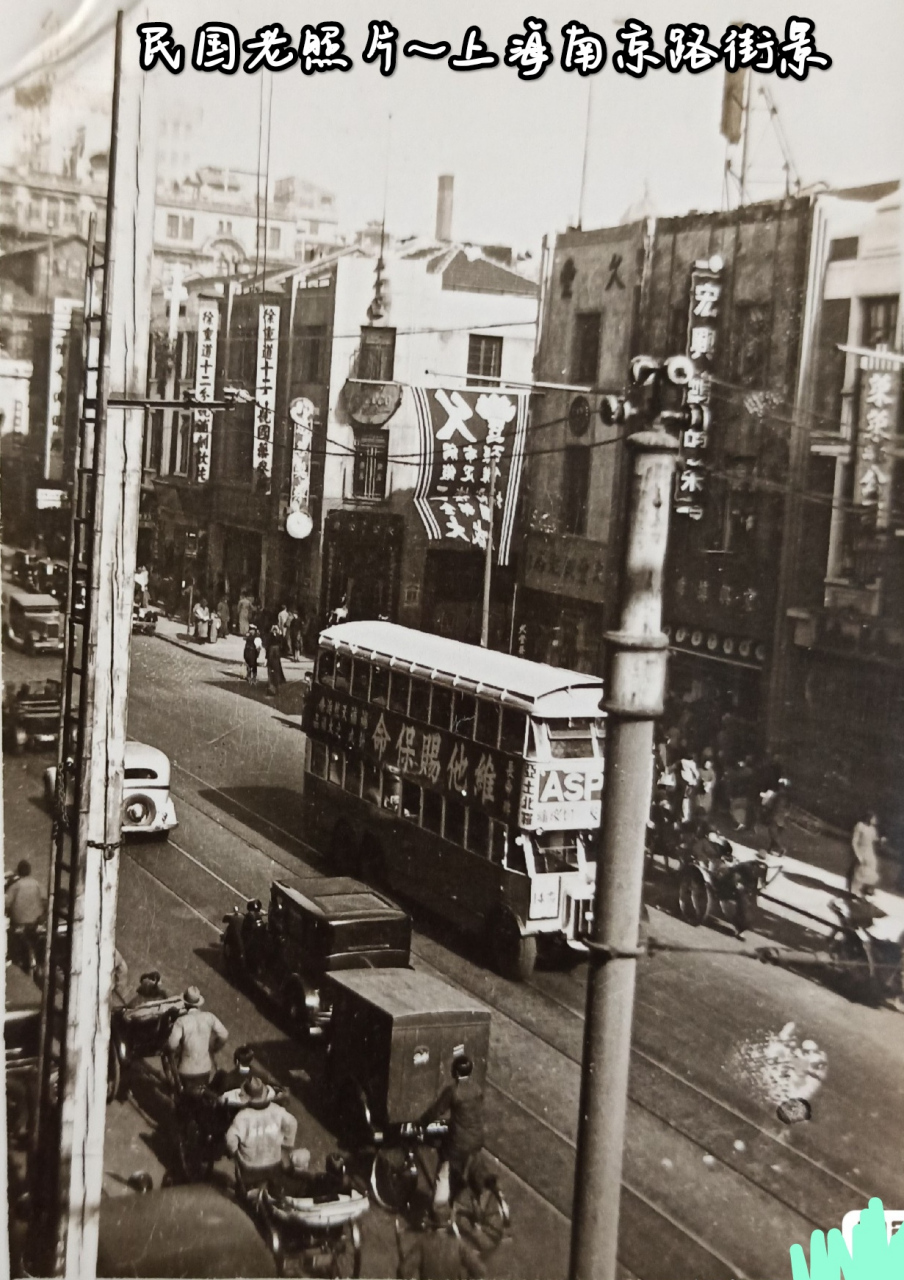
x=462, y=433
x=63, y=309
x=880, y=398
x=298, y=519
x=690, y=477
x=208, y=318
x=265, y=390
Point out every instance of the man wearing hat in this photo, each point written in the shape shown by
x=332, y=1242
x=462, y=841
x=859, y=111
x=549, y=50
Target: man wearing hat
x=228, y=1085
x=438, y=1253
x=149, y=989
x=194, y=1039
x=260, y=1135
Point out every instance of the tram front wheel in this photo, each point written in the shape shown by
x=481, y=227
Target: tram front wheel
x=514, y=952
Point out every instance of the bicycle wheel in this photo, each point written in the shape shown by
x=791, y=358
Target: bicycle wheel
x=393, y=1178
x=345, y=1253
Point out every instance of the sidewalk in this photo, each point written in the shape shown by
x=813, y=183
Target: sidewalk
x=227, y=649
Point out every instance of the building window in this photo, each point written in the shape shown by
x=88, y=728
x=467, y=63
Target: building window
x=751, y=332
x=273, y=238
x=34, y=210
x=484, y=360
x=70, y=215
x=311, y=342
x=830, y=363
x=880, y=321
x=314, y=228
x=153, y=441
x=376, y=355
x=53, y=214
x=172, y=226
x=587, y=329
x=371, y=453
x=224, y=228
x=575, y=489
x=188, y=228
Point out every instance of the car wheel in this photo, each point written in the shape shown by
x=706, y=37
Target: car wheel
x=514, y=952
x=696, y=901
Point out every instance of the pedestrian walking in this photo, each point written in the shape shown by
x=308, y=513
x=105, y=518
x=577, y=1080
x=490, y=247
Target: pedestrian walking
x=252, y=653
x=276, y=677
x=223, y=615
x=296, y=632
x=260, y=1136
x=863, y=872
x=243, y=613
x=194, y=1039
x=283, y=618
x=705, y=795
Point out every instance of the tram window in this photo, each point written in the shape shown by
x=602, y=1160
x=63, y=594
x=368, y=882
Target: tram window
x=514, y=855
x=487, y=722
x=454, y=821
x=571, y=738
x=318, y=759
x=464, y=713
x=537, y=745
x=432, y=812
x=441, y=707
x=479, y=832
x=379, y=686
x=411, y=801
x=419, y=707
x=398, y=692
x=371, y=790
x=591, y=842
x=353, y=776
x=392, y=786
x=326, y=666
x=556, y=851
x=343, y=671
x=361, y=679
x=336, y=763
x=513, y=726
x=498, y=832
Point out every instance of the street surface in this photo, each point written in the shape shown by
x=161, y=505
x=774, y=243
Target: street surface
x=715, y=1186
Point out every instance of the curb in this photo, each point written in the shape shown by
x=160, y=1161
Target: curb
x=200, y=651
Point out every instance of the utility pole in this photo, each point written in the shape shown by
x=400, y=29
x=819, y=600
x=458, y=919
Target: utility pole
x=488, y=561
x=635, y=689
x=745, y=141
x=68, y=1173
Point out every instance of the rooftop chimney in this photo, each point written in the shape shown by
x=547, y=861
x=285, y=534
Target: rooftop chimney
x=444, y=208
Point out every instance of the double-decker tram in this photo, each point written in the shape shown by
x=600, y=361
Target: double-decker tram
x=464, y=779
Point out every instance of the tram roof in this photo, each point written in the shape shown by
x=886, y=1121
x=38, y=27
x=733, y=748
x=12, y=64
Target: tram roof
x=535, y=686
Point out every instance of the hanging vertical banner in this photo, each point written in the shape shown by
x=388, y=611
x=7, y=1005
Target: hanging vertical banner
x=461, y=433
x=298, y=518
x=880, y=399
x=690, y=476
x=208, y=318
x=265, y=390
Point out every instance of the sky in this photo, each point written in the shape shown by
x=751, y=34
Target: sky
x=515, y=147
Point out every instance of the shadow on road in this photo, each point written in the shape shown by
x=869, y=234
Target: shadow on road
x=289, y=700
x=277, y=813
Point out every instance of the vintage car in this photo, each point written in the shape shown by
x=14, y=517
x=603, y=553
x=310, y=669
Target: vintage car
x=147, y=806
x=33, y=623
x=31, y=714
x=313, y=927
x=393, y=1038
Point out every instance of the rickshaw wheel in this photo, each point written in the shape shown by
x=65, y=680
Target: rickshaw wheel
x=345, y=1253
x=695, y=898
x=114, y=1075
x=393, y=1179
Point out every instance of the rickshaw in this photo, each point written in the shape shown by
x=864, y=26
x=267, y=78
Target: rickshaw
x=137, y=1034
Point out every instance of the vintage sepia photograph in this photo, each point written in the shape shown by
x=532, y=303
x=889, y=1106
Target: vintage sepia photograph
x=452, y=516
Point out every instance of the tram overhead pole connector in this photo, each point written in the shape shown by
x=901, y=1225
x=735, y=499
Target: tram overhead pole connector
x=635, y=691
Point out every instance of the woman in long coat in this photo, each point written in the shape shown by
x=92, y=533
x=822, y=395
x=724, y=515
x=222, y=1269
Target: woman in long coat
x=275, y=674
x=243, y=613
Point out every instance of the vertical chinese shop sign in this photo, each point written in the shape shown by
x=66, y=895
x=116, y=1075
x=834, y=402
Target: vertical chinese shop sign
x=265, y=390
x=208, y=316
x=690, y=477
x=880, y=400
x=461, y=434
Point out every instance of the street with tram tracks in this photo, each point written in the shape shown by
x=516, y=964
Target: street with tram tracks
x=714, y=1184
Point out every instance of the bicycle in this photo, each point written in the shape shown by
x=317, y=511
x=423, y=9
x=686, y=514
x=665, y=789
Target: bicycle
x=401, y=1176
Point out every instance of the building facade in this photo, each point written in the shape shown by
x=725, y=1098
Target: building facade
x=840, y=697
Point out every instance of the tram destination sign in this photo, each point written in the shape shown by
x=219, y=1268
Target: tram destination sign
x=436, y=759
x=561, y=798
